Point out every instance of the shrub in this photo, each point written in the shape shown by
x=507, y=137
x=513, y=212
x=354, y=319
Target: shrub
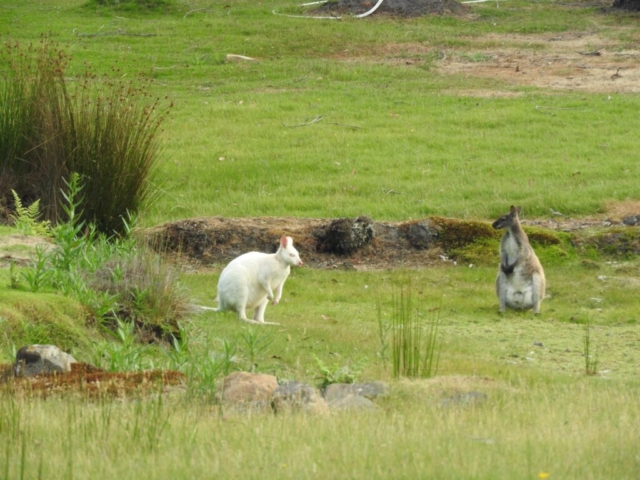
x=106, y=130
x=116, y=277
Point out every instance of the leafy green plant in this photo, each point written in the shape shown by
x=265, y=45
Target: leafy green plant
x=14, y=276
x=68, y=236
x=256, y=344
x=41, y=273
x=414, y=344
x=125, y=353
x=228, y=357
x=113, y=276
x=26, y=219
x=337, y=373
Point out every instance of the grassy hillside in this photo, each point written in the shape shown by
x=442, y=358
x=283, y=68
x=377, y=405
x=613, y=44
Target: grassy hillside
x=393, y=118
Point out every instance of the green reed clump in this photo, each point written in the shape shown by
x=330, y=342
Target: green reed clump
x=104, y=128
x=415, y=350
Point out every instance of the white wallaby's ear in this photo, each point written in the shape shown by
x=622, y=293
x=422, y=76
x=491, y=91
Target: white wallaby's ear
x=283, y=242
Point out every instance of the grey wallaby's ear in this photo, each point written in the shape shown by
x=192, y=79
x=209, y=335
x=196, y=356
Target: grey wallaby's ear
x=512, y=209
x=518, y=210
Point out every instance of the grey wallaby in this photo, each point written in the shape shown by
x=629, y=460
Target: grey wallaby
x=521, y=282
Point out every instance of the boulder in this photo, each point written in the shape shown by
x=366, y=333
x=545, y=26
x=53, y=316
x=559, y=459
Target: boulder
x=245, y=387
x=298, y=397
x=41, y=359
x=345, y=236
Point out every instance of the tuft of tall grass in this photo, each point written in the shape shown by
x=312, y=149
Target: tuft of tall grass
x=414, y=345
x=103, y=128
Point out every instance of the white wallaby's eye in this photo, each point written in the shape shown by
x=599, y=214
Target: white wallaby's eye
x=291, y=255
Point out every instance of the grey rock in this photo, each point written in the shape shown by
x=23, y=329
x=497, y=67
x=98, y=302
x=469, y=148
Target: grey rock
x=352, y=402
x=41, y=359
x=298, y=397
x=631, y=220
x=464, y=399
x=344, y=236
x=369, y=390
x=419, y=234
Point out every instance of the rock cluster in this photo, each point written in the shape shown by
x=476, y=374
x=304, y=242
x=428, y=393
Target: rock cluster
x=244, y=392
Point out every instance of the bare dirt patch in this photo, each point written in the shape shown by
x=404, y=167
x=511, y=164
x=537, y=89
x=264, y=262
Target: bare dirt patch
x=574, y=61
x=92, y=382
x=20, y=249
x=583, y=62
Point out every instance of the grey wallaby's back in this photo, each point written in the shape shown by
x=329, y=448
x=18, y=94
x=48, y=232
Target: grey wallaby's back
x=521, y=282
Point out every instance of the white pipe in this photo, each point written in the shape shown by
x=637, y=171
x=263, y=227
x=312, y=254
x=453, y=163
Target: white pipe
x=362, y=15
x=375, y=7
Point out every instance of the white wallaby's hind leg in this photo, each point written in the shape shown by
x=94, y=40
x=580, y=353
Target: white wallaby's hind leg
x=258, y=314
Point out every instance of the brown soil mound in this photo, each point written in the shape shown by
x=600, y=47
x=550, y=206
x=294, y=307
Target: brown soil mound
x=418, y=243
x=403, y=8
x=90, y=381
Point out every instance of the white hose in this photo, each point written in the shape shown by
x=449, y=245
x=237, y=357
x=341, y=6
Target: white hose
x=362, y=15
x=375, y=7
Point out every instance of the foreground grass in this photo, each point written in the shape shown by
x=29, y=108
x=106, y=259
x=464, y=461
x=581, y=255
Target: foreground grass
x=525, y=429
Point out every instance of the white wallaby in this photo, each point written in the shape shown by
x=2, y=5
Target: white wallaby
x=521, y=283
x=251, y=280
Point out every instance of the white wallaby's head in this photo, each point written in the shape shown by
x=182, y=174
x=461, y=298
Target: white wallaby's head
x=288, y=253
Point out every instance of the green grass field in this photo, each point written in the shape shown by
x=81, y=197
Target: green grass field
x=331, y=118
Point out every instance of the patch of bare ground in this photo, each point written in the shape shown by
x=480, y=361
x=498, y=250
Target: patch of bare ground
x=575, y=61
x=92, y=382
x=19, y=249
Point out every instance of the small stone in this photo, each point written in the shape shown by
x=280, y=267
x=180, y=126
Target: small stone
x=41, y=359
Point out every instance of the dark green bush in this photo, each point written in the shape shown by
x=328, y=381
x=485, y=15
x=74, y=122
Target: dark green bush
x=106, y=130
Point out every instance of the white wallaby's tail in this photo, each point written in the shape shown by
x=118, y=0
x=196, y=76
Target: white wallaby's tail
x=202, y=308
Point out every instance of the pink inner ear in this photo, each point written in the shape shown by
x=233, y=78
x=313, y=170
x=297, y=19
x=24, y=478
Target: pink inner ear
x=283, y=242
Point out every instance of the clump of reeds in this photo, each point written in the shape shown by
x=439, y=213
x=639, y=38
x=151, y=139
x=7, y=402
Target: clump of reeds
x=103, y=128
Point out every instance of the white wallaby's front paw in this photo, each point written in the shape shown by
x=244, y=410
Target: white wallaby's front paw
x=275, y=301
